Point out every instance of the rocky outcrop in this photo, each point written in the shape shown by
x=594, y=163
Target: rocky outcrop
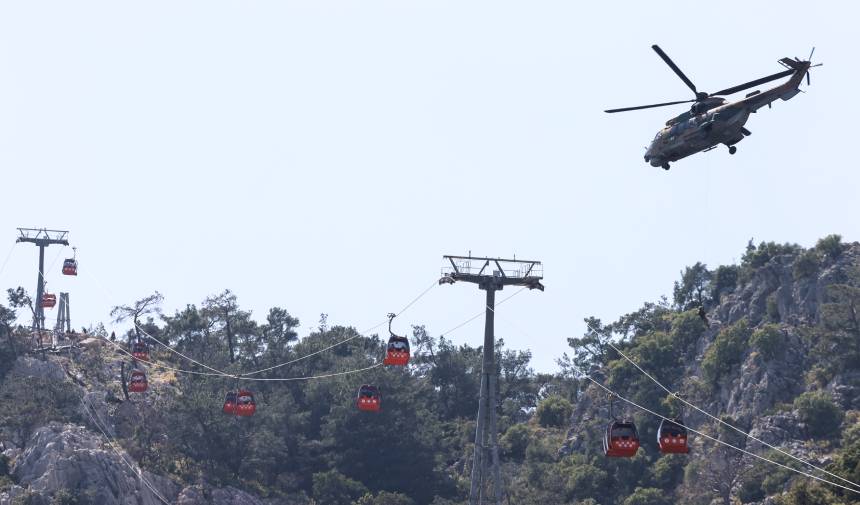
x=73, y=459
x=26, y=366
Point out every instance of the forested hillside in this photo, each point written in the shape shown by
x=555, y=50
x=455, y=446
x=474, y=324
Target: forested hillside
x=770, y=345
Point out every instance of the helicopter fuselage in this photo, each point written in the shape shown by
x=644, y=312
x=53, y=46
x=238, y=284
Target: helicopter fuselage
x=721, y=125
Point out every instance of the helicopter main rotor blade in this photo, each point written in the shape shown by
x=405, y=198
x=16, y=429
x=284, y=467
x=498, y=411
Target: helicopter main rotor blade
x=647, y=106
x=674, y=67
x=752, y=84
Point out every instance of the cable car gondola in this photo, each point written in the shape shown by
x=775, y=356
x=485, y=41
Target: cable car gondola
x=70, y=265
x=672, y=437
x=621, y=439
x=397, y=352
x=229, y=403
x=137, y=383
x=140, y=351
x=48, y=300
x=368, y=398
x=245, y=404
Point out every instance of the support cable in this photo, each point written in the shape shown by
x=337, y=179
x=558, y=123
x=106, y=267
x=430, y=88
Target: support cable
x=8, y=256
x=708, y=414
x=714, y=439
x=359, y=334
x=479, y=314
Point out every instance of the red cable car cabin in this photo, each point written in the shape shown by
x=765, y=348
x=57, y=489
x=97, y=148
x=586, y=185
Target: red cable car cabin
x=70, y=266
x=140, y=351
x=137, y=383
x=368, y=399
x=49, y=300
x=672, y=437
x=621, y=440
x=245, y=404
x=229, y=403
x=398, y=351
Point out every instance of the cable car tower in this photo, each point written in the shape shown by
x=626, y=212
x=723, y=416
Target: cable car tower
x=491, y=275
x=43, y=238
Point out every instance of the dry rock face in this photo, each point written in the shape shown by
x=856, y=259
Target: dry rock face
x=72, y=458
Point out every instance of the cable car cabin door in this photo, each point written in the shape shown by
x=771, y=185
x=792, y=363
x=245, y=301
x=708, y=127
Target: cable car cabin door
x=229, y=403
x=620, y=440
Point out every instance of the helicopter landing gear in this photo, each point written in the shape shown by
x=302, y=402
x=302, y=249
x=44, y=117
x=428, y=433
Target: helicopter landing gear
x=665, y=166
x=733, y=149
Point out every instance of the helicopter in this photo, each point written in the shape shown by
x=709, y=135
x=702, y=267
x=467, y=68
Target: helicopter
x=713, y=120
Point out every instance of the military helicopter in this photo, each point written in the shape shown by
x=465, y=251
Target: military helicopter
x=712, y=120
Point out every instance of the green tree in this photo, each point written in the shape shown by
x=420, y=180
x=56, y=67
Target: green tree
x=648, y=496
x=554, y=412
x=516, y=440
x=147, y=305
x=385, y=498
x=726, y=351
x=693, y=287
x=804, y=493
x=821, y=416
x=586, y=481
x=334, y=488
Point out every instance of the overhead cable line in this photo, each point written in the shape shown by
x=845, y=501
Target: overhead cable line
x=708, y=414
x=8, y=256
x=142, y=330
x=722, y=442
x=237, y=376
x=479, y=314
x=359, y=334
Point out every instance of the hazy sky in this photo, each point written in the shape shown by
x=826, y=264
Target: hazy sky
x=323, y=156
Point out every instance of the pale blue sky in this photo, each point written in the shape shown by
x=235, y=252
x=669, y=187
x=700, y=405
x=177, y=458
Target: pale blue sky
x=323, y=156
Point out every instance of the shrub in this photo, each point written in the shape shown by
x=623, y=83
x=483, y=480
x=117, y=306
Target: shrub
x=726, y=351
x=830, y=246
x=756, y=257
x=806, y=266
x=334, y=488
x=648, y=496
x=586, y=481
x=725, y=280
x=821, y=415
x=385, y=498
x=515, y=441
x=768, y=340
x=554, y=411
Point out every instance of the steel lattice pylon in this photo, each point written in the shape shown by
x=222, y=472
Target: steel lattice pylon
x=42, y=238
